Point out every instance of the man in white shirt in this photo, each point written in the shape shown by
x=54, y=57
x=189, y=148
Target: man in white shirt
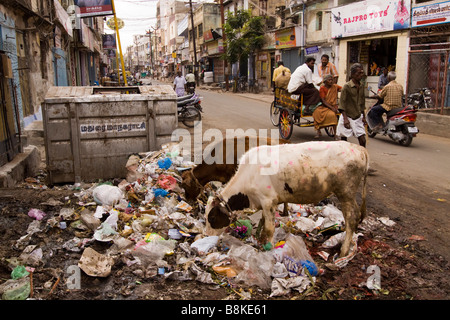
x=301, y=82
x=178, y=84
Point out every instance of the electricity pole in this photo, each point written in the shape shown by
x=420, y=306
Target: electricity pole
x=193, y=41
x=151, y=52
x=224, y=39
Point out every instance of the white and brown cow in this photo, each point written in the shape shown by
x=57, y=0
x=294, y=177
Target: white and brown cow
x=296, y=173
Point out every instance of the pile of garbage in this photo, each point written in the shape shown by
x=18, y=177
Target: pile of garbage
x=146, y=222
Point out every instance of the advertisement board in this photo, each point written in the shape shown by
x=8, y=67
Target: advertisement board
x=432, y=14
x=370, y=16
x=92, y=8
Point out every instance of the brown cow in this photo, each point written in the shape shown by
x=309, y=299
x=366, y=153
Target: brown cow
x=195, y=179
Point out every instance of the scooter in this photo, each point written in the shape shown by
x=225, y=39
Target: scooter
x=400, y=124
x=189, y=110
x=192, y=99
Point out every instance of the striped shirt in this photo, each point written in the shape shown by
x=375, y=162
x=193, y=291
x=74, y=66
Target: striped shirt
x=328, y=69
x=392, y=94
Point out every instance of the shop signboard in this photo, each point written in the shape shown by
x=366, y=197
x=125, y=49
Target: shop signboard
x=432, y=14
x=94, y=8
x=371, y=16
x=312, y=50
x=109, y=41
x=288, y=38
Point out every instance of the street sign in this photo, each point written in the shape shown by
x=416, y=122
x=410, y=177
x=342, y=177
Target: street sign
x=110, y=23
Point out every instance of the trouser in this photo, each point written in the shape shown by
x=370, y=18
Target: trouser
x=377, y=114
x=311, y=95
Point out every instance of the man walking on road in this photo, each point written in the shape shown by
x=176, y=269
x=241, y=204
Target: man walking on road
x=179, y=84
x=353, y=104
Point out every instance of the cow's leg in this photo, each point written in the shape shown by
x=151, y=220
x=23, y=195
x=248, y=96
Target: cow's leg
x=269, y=222
x=352, y=216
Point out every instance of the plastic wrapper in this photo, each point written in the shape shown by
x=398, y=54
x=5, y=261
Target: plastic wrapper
x=153, y=252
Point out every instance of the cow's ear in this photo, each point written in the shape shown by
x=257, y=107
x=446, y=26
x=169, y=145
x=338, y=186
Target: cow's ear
x=218, y=217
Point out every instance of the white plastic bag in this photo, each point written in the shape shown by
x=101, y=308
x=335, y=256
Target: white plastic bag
x=107, y=195
x=205, y=244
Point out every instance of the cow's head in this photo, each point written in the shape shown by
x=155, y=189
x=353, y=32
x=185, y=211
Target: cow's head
x=217, y=215
x=190, y=185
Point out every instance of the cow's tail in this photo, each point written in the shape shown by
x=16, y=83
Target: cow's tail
x=363, y=208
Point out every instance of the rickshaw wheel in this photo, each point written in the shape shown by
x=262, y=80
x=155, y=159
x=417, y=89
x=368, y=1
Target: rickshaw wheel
x=274, y=114
x=331, y=131
x=286, y=124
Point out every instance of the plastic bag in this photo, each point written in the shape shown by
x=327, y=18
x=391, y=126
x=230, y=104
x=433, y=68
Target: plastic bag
x=160, y=192
x=164, y=163
x=36, y=214
x=107, y=195
x=167, y=182
x=16, y=289
x=295, y=256
x=205, y=244
x=332, y=216
x=19, y=272
x=258, y=270
x=153, y=252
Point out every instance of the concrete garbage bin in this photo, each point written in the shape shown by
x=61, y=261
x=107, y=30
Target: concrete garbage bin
x=90, y=132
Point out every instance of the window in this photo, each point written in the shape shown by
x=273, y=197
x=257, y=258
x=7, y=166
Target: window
x=262, y=7
x=319, y=16
x=200, y=30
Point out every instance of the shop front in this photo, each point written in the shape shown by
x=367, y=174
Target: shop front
x=216, y=64
x=375, y=34
x=429, y=52
x=289, y=42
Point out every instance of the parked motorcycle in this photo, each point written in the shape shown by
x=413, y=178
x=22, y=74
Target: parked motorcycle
x=189, y=110
x=421, y=98
x=192, y=99
x=400, y=124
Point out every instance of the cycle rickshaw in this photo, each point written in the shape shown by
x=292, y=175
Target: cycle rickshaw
x=285, y=112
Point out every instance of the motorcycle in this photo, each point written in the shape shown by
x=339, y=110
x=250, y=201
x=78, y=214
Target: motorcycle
x=421, y=98
x=400, y=124
x=192, y=99
x=189, y=110
x=190, y=87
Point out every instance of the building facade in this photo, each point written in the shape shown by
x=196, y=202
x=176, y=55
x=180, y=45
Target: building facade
x=42, y=43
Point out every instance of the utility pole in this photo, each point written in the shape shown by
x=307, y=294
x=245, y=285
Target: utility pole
x=120, y=46
x=151, y=52
x=156, y=50
x=193, y=41
x=224, y=39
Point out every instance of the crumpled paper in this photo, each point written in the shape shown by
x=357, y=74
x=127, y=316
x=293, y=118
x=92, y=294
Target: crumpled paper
x=95, y=264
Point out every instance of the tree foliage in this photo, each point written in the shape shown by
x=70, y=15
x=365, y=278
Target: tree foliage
x=244, y=35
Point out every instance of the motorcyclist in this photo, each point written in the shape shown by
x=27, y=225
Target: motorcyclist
x=391, y=95
x=190, y=81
